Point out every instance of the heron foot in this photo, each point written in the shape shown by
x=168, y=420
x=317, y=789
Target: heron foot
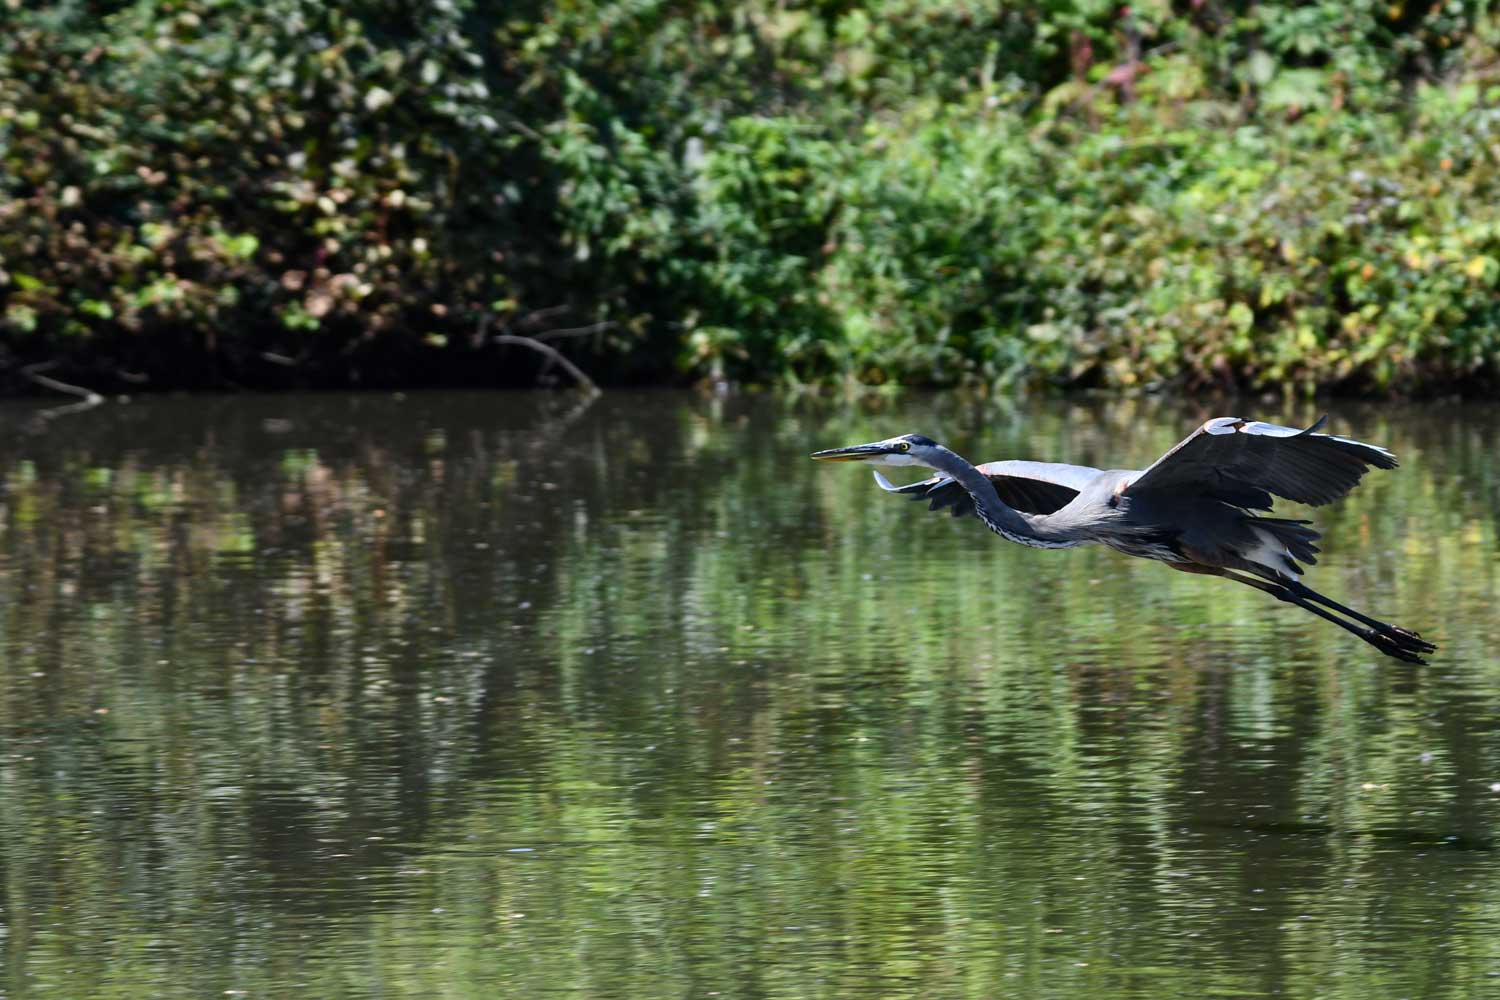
x=1400, y=643
x=1410, y=638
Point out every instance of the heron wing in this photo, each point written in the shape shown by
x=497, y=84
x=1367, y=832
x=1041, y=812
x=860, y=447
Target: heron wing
x=1030, y=487
x=1244, y=461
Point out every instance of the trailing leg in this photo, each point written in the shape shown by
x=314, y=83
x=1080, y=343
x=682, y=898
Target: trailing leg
x=1395, y=631
x=1390, y=640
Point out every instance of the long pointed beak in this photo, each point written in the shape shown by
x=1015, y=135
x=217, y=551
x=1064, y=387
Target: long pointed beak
x=855, y=453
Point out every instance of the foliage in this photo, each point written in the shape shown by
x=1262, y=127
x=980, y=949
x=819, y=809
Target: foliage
x=1282, y=194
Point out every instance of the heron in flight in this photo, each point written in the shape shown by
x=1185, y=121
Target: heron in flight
x=1192, y=509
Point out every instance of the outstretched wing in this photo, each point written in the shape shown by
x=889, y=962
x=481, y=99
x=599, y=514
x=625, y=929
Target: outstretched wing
x=1244, y=461
x=1030, y=487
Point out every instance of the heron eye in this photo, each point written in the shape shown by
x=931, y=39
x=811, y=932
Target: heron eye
x=906, y=446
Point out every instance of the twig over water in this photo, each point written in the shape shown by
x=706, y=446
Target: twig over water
x=552, y=354
x=89, y=398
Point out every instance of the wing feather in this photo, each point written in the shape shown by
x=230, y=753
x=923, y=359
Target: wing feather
x=1244, y=461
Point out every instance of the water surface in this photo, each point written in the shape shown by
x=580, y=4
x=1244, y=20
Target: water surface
x=509, y=695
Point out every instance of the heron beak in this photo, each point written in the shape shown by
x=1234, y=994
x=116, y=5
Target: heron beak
x=856, y=453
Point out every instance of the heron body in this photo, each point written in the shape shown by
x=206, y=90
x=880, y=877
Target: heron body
x=1193, y=509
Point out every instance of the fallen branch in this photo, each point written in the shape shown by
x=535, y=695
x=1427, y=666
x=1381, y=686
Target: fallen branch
x=552, y=354
x=89, y=398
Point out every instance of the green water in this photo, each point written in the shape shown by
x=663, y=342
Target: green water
x=504, y=696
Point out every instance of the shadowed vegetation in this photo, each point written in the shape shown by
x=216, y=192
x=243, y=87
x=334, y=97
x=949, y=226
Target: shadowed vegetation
x=1282, y=194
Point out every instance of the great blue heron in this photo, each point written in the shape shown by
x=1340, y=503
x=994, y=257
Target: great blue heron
x=1192, y=509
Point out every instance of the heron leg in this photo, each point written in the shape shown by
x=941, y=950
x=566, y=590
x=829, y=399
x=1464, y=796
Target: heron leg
x=1390, y=640
x=1312, y=595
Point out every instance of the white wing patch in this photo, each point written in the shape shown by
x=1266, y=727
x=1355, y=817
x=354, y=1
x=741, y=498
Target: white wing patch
x=1361, y=444
x=887, y=485
x=1231, y=425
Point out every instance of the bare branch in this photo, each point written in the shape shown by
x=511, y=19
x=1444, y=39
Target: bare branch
x=552, y=354
x=89, y=397
x=526, y=130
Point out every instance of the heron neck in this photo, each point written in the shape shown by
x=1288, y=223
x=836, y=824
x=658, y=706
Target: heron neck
x=999, y=517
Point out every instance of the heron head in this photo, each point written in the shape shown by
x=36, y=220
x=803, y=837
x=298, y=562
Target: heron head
x=908, y=449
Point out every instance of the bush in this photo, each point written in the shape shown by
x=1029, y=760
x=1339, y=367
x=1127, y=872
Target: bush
x=1278, y=195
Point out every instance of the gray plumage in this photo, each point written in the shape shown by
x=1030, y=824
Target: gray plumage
x=1192, y=509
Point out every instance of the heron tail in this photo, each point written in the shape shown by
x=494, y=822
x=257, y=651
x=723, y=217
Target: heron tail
x=1281, y=543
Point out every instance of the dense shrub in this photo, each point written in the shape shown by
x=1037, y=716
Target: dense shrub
x=1281, y=194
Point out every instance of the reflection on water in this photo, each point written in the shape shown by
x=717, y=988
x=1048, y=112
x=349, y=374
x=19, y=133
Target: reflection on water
x=490, y=695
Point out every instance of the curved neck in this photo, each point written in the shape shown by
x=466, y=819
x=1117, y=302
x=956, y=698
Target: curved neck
x=999, y=517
